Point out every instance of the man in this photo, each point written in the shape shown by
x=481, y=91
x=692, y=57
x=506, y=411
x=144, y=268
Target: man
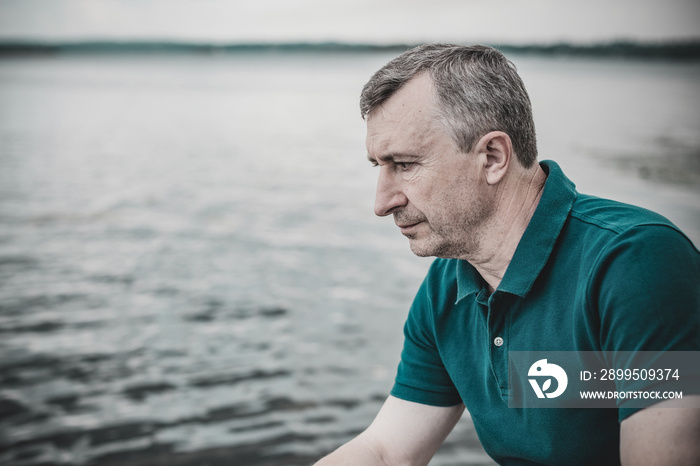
x=524, y=263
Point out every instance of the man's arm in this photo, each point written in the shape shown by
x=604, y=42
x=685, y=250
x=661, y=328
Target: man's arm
x=662, y=436
x=403, y=433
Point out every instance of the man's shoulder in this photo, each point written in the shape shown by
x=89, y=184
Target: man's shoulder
x=615, y=220
x=615, y=216
x=608, y=229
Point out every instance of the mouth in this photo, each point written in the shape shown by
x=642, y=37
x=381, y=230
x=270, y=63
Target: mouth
x=408, y=227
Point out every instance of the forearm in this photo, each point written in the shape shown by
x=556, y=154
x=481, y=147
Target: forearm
x=360, y=450
x=662, y=435
x=403, y=433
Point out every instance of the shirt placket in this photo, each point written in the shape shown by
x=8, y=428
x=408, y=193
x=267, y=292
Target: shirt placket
x=497, y=324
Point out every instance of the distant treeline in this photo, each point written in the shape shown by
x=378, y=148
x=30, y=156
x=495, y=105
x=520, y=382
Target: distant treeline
x=686, y=50
x=672, y=50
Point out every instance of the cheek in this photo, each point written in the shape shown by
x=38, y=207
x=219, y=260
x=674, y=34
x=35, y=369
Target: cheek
x=419, y=194
x=418, y=182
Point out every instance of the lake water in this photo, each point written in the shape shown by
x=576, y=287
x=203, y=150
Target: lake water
x=190, y=270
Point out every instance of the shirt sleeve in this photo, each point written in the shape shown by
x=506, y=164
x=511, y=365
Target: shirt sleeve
x=421, y=375
x=646, y=288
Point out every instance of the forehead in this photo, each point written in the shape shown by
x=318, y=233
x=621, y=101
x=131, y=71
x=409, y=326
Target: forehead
x=405, y=118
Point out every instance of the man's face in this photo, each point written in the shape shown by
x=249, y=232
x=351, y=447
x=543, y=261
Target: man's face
x=435, y=192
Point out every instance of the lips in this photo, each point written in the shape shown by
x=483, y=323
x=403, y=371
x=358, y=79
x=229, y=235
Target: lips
x=408, y=228
x=406, y=221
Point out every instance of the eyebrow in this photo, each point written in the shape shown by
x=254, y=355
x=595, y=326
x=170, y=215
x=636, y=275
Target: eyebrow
x=391, y=157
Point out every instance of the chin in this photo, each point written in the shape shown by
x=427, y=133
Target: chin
x=423, y=250
x=421, y=253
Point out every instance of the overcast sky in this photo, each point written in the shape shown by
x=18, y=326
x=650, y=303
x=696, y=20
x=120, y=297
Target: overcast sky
x=512, y=21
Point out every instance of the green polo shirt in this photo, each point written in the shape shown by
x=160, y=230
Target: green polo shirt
x=589, y=274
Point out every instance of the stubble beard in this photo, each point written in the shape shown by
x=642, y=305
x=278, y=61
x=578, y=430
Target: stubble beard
x=453, y=240
x=446, y=247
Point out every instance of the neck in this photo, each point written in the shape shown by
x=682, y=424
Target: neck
x=515, y=202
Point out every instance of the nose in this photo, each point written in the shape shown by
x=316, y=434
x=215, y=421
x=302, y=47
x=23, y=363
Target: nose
x=389, y=195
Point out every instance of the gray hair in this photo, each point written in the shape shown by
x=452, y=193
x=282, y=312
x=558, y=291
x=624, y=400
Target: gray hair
x=478, y=91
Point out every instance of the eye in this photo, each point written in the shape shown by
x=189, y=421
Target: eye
x=404, y=165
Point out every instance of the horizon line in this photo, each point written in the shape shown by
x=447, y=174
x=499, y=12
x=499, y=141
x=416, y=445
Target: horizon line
x=675, y=49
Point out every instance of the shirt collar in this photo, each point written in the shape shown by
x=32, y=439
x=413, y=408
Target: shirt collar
x=537, y=242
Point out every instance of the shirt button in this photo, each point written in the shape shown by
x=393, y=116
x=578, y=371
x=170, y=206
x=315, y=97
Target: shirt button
x=498, y=341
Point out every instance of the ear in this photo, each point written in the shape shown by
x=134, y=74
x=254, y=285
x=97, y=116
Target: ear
x=497, y=150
